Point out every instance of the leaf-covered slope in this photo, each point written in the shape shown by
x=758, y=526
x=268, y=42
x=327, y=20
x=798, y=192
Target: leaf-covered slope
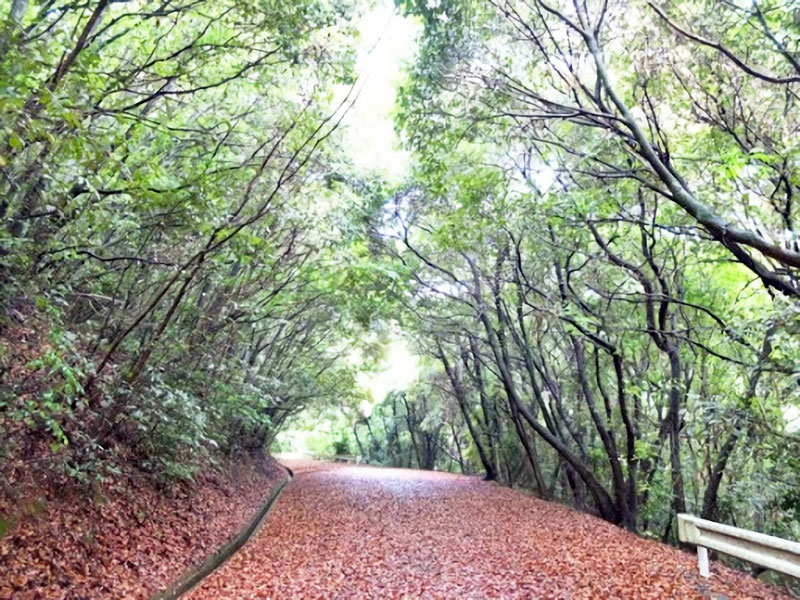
x=132, y=538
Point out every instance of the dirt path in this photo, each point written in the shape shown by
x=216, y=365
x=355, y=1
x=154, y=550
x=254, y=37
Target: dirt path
x=364, y=532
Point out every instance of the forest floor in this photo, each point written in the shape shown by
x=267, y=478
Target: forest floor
x=131, y=538
x=349, y=531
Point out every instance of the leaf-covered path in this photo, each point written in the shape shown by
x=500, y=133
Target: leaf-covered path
x=343, y=531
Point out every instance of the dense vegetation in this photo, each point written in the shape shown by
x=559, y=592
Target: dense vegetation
x=600, y=238
x=594, y=253
x=174, y=247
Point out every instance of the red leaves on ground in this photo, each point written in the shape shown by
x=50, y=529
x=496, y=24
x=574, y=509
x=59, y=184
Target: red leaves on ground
x=132, y=541
x=362, y=532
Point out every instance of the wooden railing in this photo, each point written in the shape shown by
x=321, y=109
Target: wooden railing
x=347, y=458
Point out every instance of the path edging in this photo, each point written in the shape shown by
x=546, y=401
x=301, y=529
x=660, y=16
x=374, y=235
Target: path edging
x=194, y=575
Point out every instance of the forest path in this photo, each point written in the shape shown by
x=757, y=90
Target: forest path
x=346, y=531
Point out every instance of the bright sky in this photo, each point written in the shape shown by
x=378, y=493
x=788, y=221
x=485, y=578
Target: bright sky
x=387, y=43
x=398, y=371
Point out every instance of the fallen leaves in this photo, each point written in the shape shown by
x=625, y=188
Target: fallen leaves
x=346, y=532
x=133, y=542
x=362, y=532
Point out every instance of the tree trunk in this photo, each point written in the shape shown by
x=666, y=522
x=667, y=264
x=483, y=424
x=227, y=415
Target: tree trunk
x=461, y=398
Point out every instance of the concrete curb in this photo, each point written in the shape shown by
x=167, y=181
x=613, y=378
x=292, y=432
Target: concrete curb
x=195, y=575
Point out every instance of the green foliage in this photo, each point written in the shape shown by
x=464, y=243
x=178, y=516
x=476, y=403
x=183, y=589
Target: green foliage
x=542, y=223
x=168, y=225
x=595, y=254
x=172, y=428
x=341, y=446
